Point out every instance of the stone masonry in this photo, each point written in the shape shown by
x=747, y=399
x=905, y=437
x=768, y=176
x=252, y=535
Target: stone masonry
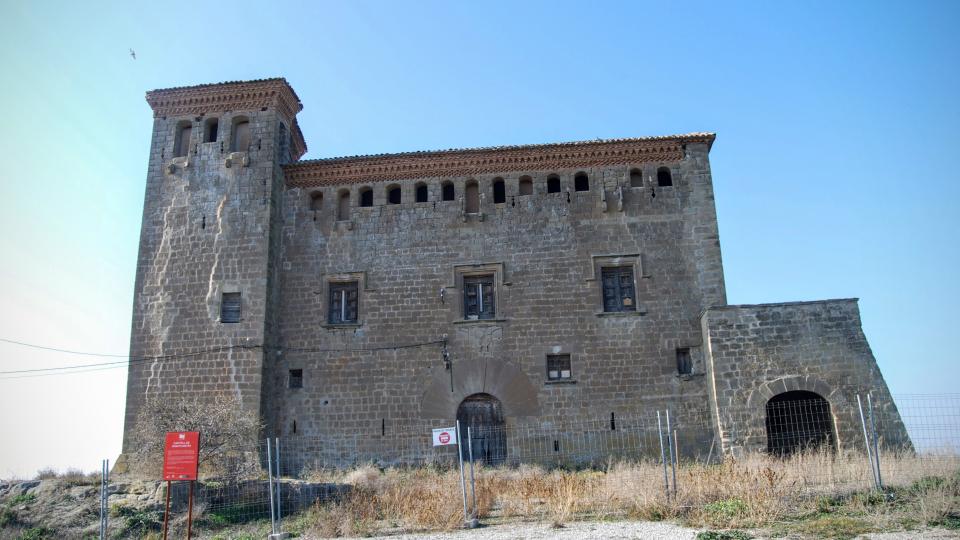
x=285, y=233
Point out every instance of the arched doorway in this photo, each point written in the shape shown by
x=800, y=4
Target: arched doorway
x=798, y=420
x=483, y=414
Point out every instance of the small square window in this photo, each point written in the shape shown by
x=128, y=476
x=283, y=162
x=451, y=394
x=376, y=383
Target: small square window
x=230, y=307
x=684, y=363
x=343, y=303
x=618, y=289
x=296, y=378
x=558, y=367
x=478, y=297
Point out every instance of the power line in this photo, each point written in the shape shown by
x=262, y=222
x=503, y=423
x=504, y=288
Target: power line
x=101, y=366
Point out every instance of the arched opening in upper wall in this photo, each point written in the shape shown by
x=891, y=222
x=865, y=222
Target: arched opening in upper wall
x=581, y=182
x=471, y=203
x=240, y=134
x=210, y=129
x=448, y=192
x=664, y=177
x=636, y=178
x=316, y=201
x=553, y=184
x=499, y=191
x=181, y=145
x=525, y=186
x=343, y=205
x=366, y=197
x=422, y=193
x=394, y=194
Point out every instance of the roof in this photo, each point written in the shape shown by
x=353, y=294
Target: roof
x=492, y=159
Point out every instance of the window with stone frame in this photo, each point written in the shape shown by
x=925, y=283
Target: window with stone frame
x=344, y=301
x=479, y=298
x=558, y=367
x=230, y=307
x=618, y=289
x=684, y=362
x=296, y=378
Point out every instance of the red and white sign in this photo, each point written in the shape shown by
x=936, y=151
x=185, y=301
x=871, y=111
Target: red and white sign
x=181, y=454
x=444, y=436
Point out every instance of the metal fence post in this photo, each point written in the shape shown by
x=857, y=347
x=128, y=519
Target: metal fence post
x=273, y=518
x=673, y=463
x=876, y=446
x=473, y=482
x=104, y=495
x=463, y=484
x=866, y=443
x=278, y=476
x=663, y=457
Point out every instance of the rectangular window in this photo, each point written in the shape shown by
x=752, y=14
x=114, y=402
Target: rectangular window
x=558, y=367
x=618, y=293
x=684, y=363
x=230, y=307
x=343, y=303
x=296, y=378
x=478, y=297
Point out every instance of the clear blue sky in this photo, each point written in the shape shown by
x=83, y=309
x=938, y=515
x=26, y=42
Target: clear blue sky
x=834, y=167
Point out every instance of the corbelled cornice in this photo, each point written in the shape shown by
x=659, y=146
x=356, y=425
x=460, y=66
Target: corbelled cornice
x=500, y=159
x=232, y=96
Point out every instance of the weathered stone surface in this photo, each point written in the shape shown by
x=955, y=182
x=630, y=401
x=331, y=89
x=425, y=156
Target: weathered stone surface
x=262, y=229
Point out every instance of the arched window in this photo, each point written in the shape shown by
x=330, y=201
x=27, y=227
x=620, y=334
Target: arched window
x=581, y=182
x=366, y=197
x=472, y=198
x=636, y=178
x=449, y=193
x=526, y=186
x=240, y=134
x=664, y=178
x=798, y=420
x=553, y=184
x=316, y=201
x=393, y=194
x=422, y=193
x=181, y=145
x=343, y=206
x=499, y=191
x=210, y=130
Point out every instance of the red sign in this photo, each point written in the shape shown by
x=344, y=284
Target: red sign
x=181, y=453
x=444, y=437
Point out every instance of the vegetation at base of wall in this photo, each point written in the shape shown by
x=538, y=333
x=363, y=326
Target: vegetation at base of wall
x=723, y=535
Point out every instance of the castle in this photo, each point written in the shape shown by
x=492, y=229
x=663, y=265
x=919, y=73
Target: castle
x=549, y=283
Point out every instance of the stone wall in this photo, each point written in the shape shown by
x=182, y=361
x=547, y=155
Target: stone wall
x=546, y=249
x=755, y=352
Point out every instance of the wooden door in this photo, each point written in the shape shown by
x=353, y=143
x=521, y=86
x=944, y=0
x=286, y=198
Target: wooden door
x=483, y=414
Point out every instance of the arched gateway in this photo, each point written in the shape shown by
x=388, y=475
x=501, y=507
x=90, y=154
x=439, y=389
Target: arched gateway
x=798, y=420
x=483, y=414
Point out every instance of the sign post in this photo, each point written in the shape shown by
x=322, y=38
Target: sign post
x=181, y=458
x=451, y=436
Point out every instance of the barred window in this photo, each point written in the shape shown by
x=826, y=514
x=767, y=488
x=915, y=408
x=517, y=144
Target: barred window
x=558, y=367
x=230, y=307
x=618, y=291
x=478, y=297
x=343, y=303
x=296, y=378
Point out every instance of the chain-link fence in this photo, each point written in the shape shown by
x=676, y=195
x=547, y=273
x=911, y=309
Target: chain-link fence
x=791, y=447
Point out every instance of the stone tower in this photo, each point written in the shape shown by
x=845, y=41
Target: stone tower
x=204, y=281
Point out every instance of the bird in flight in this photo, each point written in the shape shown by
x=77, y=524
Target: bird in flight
x=133, y=54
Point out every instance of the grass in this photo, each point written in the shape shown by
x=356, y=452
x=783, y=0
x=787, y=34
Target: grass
x=813, y=494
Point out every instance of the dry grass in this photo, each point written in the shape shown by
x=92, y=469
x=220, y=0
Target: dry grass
x=808, y=491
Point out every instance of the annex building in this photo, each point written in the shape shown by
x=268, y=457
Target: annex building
x=547, y=283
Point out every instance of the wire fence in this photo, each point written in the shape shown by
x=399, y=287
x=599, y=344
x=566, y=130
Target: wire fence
x=802, y=447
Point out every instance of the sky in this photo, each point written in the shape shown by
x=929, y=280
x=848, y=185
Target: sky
x=836, y=128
